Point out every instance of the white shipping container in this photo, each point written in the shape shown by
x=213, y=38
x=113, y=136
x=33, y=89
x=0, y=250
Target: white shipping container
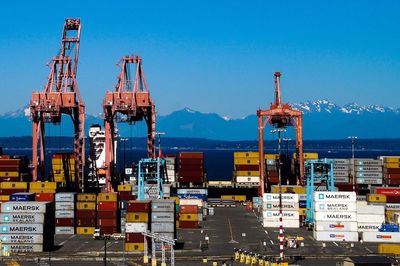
x=24, y=206
x=65, y=230
x=302, y=197
x=342, y=179
x=163, y=227
x=361, y=197
x=340, y=161
x=384, y=237
x=371, y=181
x=287, y=215
x=23, y=248
x=285, y=223
x=369, y=175
x=21, y=238
x=341, y=168
x=65, y=214
x=335, y=196
x=366, y=227
x=197, y=202
x=21, y=228
x=370, y=218
x=285, y=197
x=34, y=218
x=335, y=226
x=65, y=196
x=163, y=217
x=323, y=188
x=286, y=206
x=247, y=179
x=65, y=205
x=368, y=168
x=336, y=236
x=366, y=162
x=136, y=227
x=393, y=206
x=336, y=216
x=192, y=191
x=370, y=209
x=332, y=206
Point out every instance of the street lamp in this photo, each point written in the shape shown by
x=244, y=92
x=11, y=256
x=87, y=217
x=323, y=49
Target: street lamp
x=353, y=140
x=159, y=143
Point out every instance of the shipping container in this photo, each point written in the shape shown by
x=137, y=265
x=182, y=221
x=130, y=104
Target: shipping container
x=376, y=198
x=336, y=236
x=86, y=205
x=370, y=209
x=32, y=218
x=85, y=230
x=163, y=206
x=85, y=214
x=107, y=197
x=335, y=196
x=246, y=167
x=285, y=197
x=23, y=248
x=332, y=206
x=107, y=206
x=287, y=215
x=65, y=196
x=14, y=185
x=64, y=214
x=21, y=238
x=44, y=197
x=106, y=214
x=248, y=154
x=163, y=217
x=22, y=196
x=246, y=161
x=138, y=206
x=286, y=206
x=142, y=217
x=6, y=228
x=247, y=179
x=126, y=187
x=335, y=216
x=84, y=197
x=368, y=226
x=371, y=181
x=285, y=223
x=389, y=249
x=393, y=206
x=130, y=247
x=86, y=222
x=189, y=217
x=335, y=226
x=197, y=202
x=65, y=222
x=388, y=237
x=65, y=230
x=43, y=185
x=136, y=227
x=188, y=224
x=189, y=209
x=134, y=238
x=65, y=205
x=192, y=191
x=36, y=207
x=163, y=227
x=106, y=222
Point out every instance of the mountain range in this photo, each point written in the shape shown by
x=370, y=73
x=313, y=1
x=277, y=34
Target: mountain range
x=322, y=119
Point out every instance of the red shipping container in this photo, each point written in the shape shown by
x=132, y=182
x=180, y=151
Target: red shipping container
x=82, y=214
x=106, y=214
x=191, y=173
x=121, y=193
x=86, y=222
x=108, y=230
x=9, y=168
x=65, y=222
x=44, y=197
x=107, y=206
x=189, y=209
x=191, y=168
x=9, y=179
x=388, y=170
x=184, y=179
x=393, y=182
x=127, y=197
x=246, y=167
x=107, y=222
x=138, y=206
x=387, y=191
x=346, y=187
x=393, y=176
x=11, y=191
x=191, y=155
x=188, y=224
x=10, y=162
x=134, y=238
x=392, y=199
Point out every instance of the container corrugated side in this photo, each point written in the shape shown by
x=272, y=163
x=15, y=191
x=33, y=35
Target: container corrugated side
x=163, y=227
x=285, y=197
x=332, y=206
x=64, y=214
x=384, y=237
x=136, y=227
x=65, y=205
x=21, y=228
x=335, y=196
x=192, y=191
x=336, y=216
x=285, y=223
x=65, y=196
x=371, y=218
x=286, y=206
x=287, y=215
x=35, y=218
x=336, y=236
x=197, y=202
x=23, y=248
x=25, y=207
x=21, y=238
x=367, y=227
x=163, y=216
x=335, y=226
x=370, y=209
x=65, y=230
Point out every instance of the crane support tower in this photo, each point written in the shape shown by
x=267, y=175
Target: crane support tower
x=129, y=102
x=319, y=173
x=280, y=115
x=60, y=96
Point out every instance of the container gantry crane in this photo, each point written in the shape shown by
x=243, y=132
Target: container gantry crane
x=60, y=96
x=130, y=102
x=279, y=115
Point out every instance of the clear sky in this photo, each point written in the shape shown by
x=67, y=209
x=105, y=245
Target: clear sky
x=211, y=56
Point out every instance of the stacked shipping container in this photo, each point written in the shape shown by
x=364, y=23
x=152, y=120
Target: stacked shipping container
x=369, y=217
x=341, y=168
x=191, y=167
x=163, y=218
x=63, y=165
x=367, y=171
x=125, y=194
x=14, y=168
x=391, y=170
x=171, y=167
x=65, y=213
x=138, y=215
x=290, y=210
x=246, y=168
x=86, y=214
x=107, y=212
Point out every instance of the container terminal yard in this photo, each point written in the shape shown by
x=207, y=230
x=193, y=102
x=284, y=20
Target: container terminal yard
x=277, y=209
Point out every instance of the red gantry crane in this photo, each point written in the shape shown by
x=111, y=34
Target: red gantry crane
x=60, y=96
x=280, y=115
x=130, y=102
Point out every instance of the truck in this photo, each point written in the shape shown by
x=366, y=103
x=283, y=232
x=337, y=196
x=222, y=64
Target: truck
x=99, y=235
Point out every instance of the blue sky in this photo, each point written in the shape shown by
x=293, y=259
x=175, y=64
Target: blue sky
x=211, y=56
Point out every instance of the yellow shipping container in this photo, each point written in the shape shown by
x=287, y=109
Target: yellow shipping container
x=391, y=159
x=247, y=173
x=41, y=185
x=390, y=216
x=302, y=211
x=376, y=198
x=176, y=199
x=9, y=174
x=389, y=249
x=289, y=189
x=59, y=179
x=245, y=154
x=86, y=197
x=234, y=197
x=177, y=224
x=139, y=217
x=188, y=217
x=134, y=246
x=392, y=165
x=127, y=187
x=12, y=185
x=43, y=190
x=107, y=197
x=271, y=156
x=308, y=155
x=4, y=198
x=248, y=161
x=85, y=230
x=86, y=205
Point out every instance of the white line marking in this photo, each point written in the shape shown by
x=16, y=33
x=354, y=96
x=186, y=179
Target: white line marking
x=370, y=251
x=266, y=232
x=272, y=242
x=69, y=238
x=335, y=243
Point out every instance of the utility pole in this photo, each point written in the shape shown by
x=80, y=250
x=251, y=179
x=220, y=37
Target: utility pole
x=353, y=140
x=159, y=143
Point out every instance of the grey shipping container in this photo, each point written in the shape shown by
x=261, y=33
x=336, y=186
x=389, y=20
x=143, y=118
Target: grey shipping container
x=65, y=205
x=65, y=230
x=65, y=214
x=23, y=248
x=25, y=207
x=34, y=218
x=21, y=238
x=163, y=227
x=21, y=228
x=65, y=196
x=163, y=217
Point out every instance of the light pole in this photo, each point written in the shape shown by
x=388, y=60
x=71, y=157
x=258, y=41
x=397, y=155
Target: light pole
x=124, y=141
x=279, y=130
x=159, y=143
x=353, y=140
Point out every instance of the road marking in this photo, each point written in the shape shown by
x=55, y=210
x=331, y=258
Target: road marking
x=272, y=242
x=370, y=251
x=266, y=232
x=230, y=229
x=335, y=243
x=65, y=241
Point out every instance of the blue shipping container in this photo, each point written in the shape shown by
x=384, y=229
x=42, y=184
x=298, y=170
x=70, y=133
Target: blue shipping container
x=193, y=196
x=22, y=197
x=302, y=204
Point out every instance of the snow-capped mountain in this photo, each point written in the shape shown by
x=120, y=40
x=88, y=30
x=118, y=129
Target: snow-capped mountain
x=323, y=119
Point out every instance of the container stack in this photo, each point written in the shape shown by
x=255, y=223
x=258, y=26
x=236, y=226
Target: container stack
x=125, y=194
x=367, y=171
x=8, y=188
x=335, y=216
x=391, y=170
x=341, y=168
x=138, y=220
x=290, y=210
x=189, y=214
x=194, y=196
x=369, y=217
x=43, y=188
x=271, y=170
x=86, y=214
x=163, y=218
x=27, y=226
x=63, y=165
x=65, y=213
x=246, y=169
x=14, y=168
x=171, y=167
x=107, y=212
x=191, y=168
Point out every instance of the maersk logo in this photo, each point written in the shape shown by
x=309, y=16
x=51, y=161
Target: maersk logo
x=269, y=197
x=269, y=214
x=321, y=196
x=322, y=207
x=269, y=206
x=4, y=229
x=6, y=218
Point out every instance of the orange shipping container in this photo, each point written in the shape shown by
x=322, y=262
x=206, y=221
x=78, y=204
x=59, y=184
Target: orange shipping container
x=189, y=209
